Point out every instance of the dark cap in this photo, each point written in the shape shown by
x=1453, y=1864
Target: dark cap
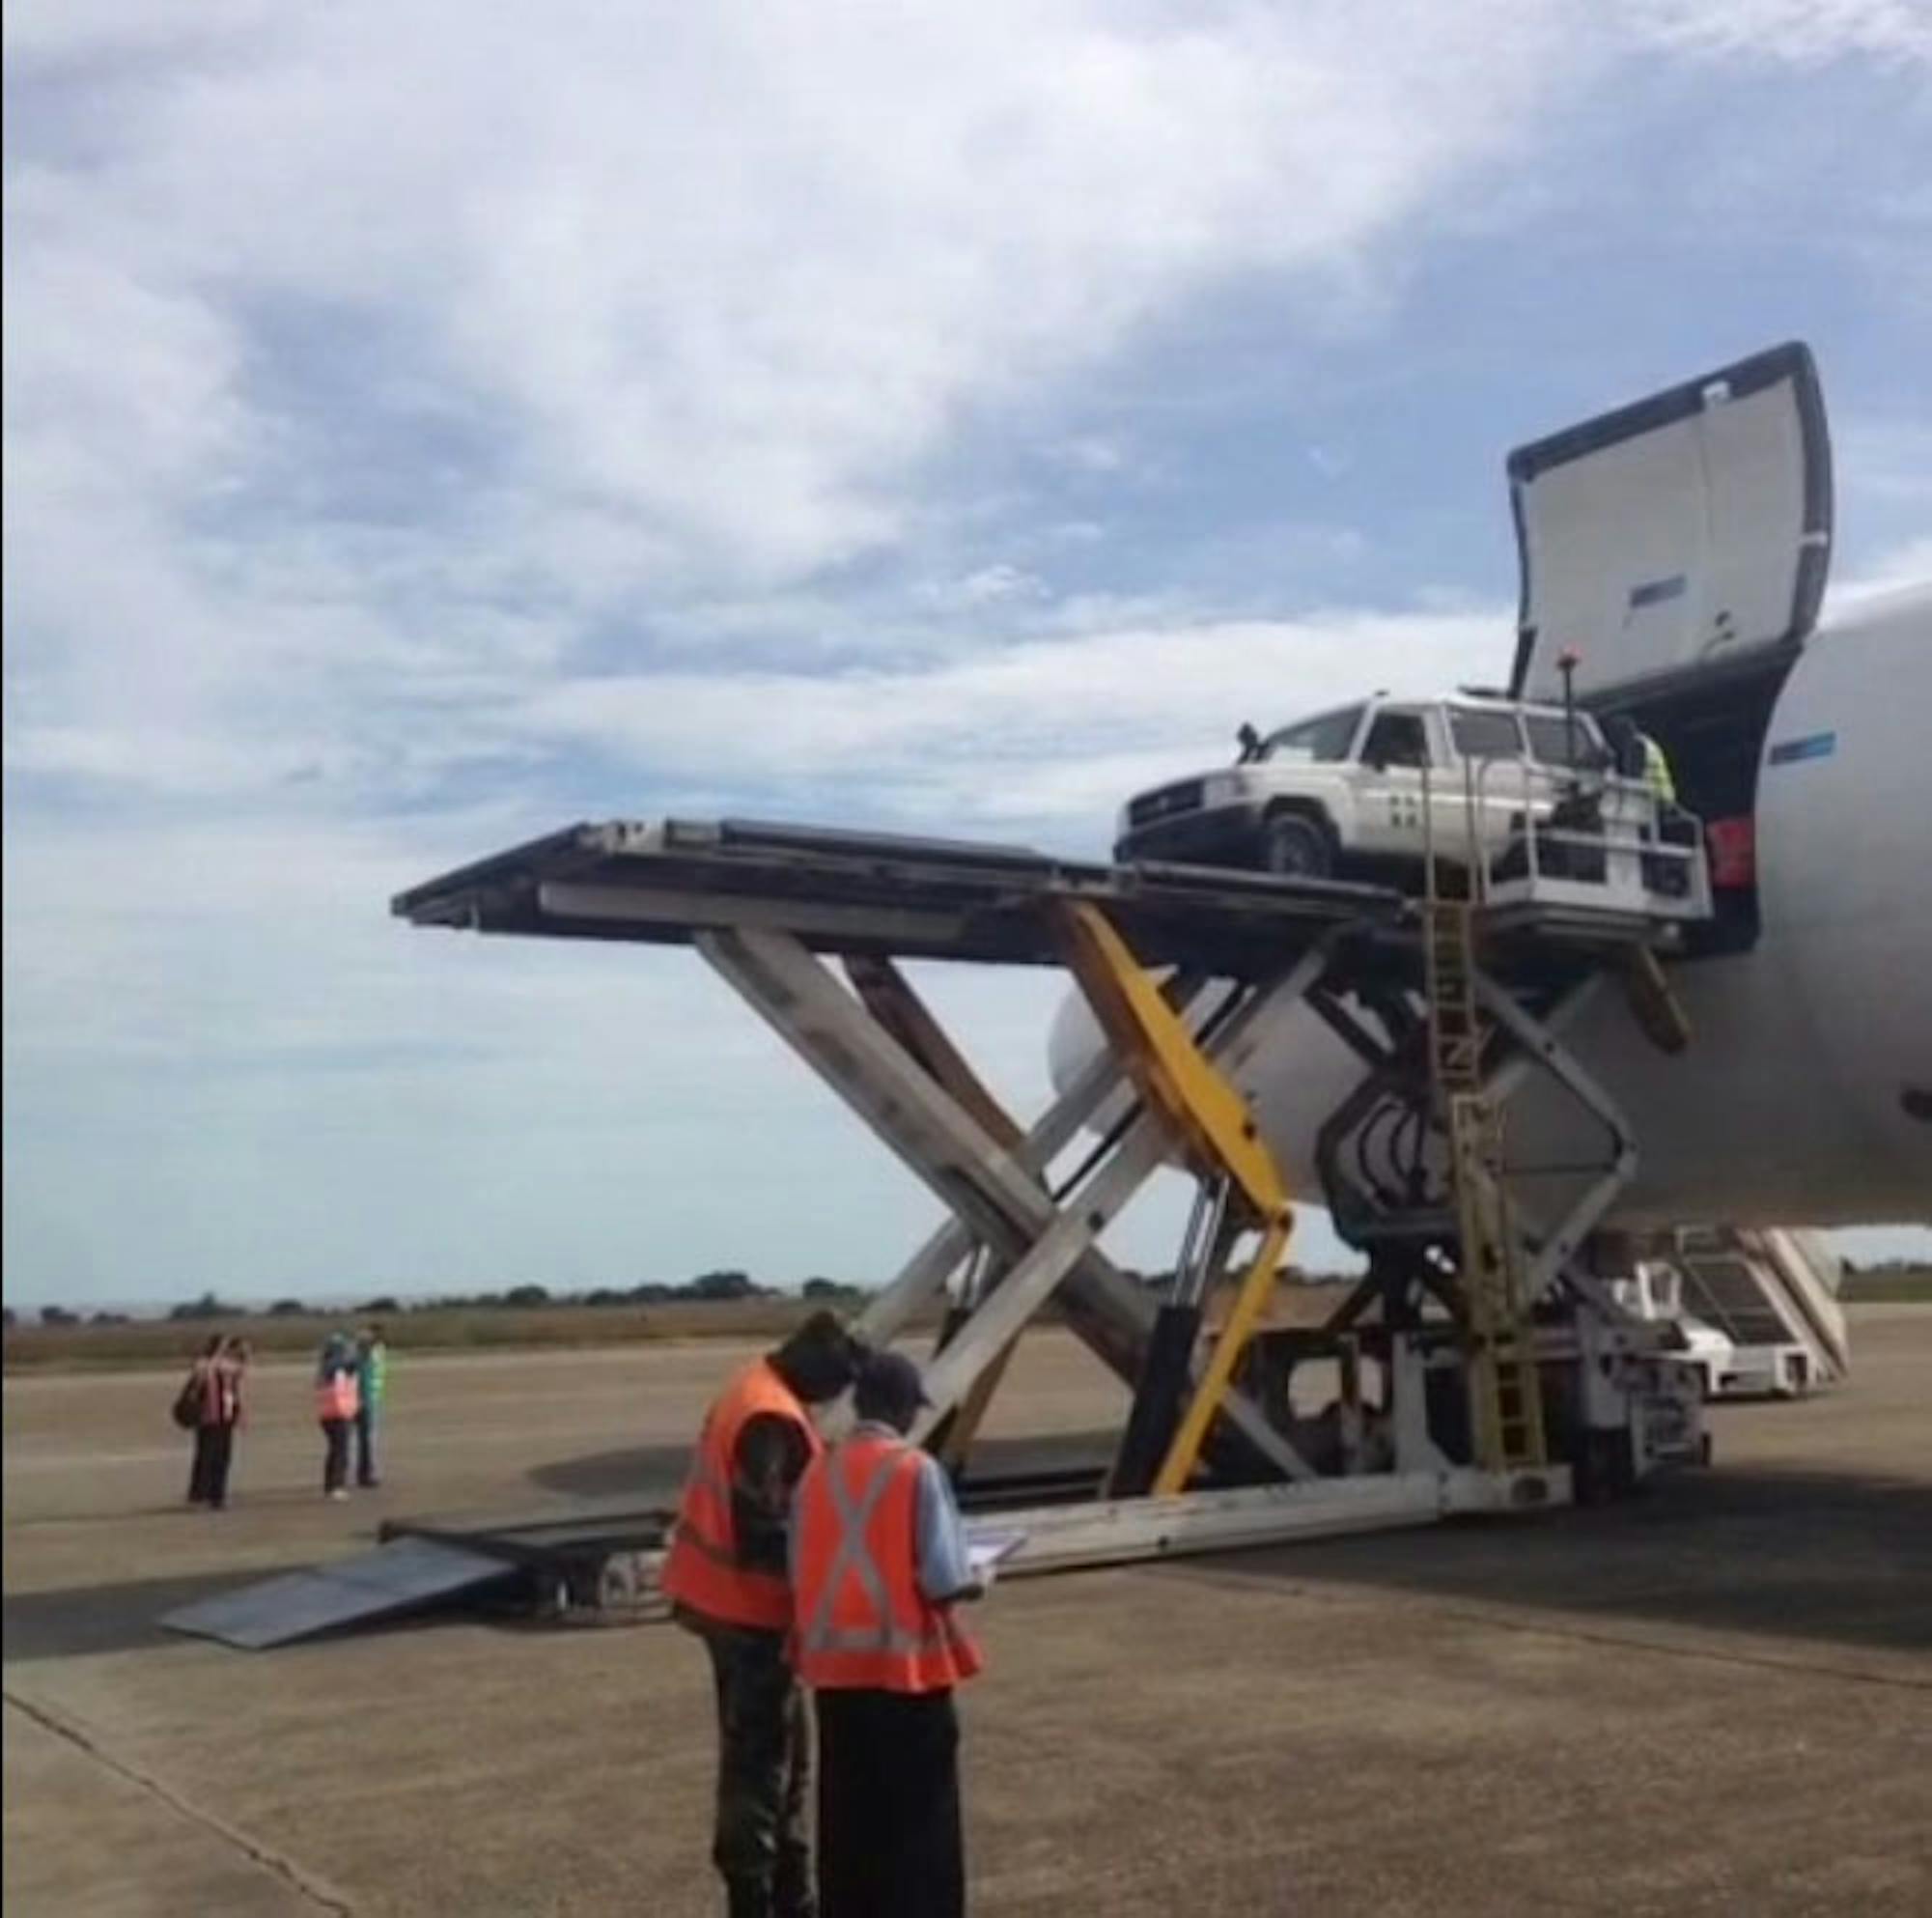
x=888, y=1387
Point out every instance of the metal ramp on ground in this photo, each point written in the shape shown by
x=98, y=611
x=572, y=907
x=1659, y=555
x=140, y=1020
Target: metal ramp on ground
x=403, y=1577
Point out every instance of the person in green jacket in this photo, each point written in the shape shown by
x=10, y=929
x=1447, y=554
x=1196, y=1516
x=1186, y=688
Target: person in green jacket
x=371, y=1367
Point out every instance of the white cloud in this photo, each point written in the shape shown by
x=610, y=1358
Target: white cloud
x=1885, y=462
x=1044, y=730
x=987, y=586
x=689, y=293
x=1804, y=32
x=1894, y=571
x=361, y=362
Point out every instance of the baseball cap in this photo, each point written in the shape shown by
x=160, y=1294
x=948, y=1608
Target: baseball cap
x=888, y=1382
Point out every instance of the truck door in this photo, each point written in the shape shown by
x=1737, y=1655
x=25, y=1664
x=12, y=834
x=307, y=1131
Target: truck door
x=1490, y=785
x=1393, y=753
x=1689, y=531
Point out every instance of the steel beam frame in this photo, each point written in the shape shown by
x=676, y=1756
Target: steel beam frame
x=994, y=1188
x=1540, y=1047
x=761, y=904
x=1128, y=1530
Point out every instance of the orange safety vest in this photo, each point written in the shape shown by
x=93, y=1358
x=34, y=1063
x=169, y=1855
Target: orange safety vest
x=702, y=1569
x=864, y=1622
x=336, y=1397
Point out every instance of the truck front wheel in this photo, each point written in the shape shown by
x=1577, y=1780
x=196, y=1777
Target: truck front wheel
x=1293, y=847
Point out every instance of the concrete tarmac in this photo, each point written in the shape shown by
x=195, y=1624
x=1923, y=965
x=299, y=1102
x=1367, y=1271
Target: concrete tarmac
x=1715, y=1699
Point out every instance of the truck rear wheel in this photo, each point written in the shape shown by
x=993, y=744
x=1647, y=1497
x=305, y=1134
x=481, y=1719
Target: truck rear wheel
x=1293, y=847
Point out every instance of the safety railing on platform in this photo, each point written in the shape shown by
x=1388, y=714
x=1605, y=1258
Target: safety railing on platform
x=1606, y=844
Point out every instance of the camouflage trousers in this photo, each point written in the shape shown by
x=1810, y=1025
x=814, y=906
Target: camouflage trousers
x=760, y=1843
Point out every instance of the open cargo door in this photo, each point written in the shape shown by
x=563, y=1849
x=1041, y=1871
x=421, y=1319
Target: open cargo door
x=1690, y=530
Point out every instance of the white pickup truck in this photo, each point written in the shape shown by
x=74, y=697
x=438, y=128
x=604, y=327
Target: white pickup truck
x=1369, y=786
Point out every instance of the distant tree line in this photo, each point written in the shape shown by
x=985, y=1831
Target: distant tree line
x=708, y=1287
x=711, y=1287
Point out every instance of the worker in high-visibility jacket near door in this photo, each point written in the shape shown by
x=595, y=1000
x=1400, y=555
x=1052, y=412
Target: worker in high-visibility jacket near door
x=727, y=1578
x=1639, y=756
x=878, y=1557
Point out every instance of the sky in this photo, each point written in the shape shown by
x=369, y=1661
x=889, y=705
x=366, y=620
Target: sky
x=427, y=425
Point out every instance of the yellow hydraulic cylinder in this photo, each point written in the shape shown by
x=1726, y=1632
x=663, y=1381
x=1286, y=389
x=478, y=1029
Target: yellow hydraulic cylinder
x=1215, y=1132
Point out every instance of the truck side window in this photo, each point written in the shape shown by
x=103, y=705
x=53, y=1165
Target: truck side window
x=1485, y=735
x=1550, y=740
x=1396, y=738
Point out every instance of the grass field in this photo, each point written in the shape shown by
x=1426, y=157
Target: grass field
x=429, y=1327
x=482, y=1328
x=1906, y=1287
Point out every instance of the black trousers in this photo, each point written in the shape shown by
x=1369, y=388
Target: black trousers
x=214, y=1454
x=759, y=1840
x=890, y=1843
x=335, y=1459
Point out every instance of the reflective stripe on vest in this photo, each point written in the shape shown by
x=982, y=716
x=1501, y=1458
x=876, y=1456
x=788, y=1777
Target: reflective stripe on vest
x=702, y=1571
x=866, y=1625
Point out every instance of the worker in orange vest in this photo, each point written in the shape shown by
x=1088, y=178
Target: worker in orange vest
x=878, y=1557
x=338, y=1397
x=727, y=1578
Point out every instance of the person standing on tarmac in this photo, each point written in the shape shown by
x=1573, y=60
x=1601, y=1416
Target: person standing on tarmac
x=337, y=1398
x=215, y=1387
x=726, y=1577
x=878, y=1559
x=372, y=1383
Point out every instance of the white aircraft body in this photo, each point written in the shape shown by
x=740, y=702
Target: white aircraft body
x=1679, y=547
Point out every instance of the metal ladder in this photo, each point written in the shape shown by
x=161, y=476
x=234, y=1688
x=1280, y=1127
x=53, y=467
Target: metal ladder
x=1505, y=1397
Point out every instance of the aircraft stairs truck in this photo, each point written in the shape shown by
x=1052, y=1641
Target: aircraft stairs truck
x=1755, y=1310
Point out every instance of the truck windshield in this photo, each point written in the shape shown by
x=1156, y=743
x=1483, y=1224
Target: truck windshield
x=1326, y=739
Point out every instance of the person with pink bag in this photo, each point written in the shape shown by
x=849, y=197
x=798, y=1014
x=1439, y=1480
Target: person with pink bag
x=338, y=1400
